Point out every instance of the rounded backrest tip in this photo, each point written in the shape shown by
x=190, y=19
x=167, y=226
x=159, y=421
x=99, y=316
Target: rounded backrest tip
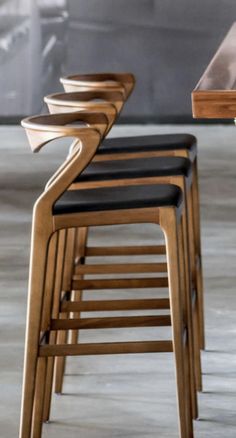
x=42, y=129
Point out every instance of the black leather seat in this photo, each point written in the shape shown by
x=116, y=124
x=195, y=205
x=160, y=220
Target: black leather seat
x=149, y=143
x=136, y=168
x=118, y=198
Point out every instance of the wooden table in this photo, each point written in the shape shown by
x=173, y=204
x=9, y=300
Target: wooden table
x=215, y=94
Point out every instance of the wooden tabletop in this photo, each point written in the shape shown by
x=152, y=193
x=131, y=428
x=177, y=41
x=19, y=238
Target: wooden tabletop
x=215, y=93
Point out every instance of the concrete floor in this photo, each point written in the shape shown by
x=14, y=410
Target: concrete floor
x=123, y=396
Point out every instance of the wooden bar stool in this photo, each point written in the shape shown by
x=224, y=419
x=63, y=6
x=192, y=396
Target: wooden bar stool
x=158, y=170
x=56, y=211
x=184, y=145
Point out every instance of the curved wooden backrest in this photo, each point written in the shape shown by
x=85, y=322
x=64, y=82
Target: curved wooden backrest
x=124, y=81
x=71, y=85
x=91, y=96
x=108, y=103
x=43, y=129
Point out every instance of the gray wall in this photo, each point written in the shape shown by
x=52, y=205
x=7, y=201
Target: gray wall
x=166, y=43
x=33, y=39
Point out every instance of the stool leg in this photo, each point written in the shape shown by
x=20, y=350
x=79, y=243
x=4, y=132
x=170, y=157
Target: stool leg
x=197, y=232
x=37, y=421
x=196, y=311
x=60, y=363
x=39, y=249
x=81, y=242
x=190, y=271
x=82, y=239
x=187, y=303
x=197, y=351
x=49, y=384
x=169, y=225
x=61, y=336
x=57, y=287
x=190, y=391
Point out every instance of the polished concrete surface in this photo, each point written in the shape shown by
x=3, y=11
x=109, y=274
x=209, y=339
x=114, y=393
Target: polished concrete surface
x=123, y=396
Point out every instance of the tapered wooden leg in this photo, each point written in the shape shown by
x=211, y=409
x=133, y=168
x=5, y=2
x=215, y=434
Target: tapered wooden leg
x=200, y=306
x=189, y=268
x=80, y=250
x=62, y=336
x=69, y=260
x=197, y=352
x=81, y=242
x=82, y=239
x=48, y=386
x=169, y=226
x=197, y=233
x=39, y=249
x=54, y=312
x=187, y=305
x=46, y=317
x=196, y=311
x=39, y=398
x=60, y=362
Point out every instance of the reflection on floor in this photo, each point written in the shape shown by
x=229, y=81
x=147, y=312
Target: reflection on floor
x=123, y=396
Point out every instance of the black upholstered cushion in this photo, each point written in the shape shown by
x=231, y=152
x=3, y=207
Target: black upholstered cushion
x=118, y=198
x=149, y=143
x=136, y=168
